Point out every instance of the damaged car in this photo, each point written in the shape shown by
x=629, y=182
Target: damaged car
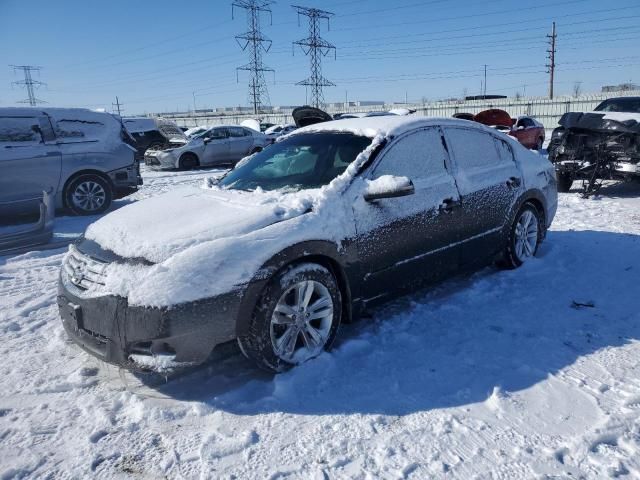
x=592, y=147
x=301, y=237
x=219, y=145
x=527, y=130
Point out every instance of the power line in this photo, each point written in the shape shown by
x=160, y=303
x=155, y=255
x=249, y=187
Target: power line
x=257, y=43
x=315, y=47
x=29, y=83
x=552, y=58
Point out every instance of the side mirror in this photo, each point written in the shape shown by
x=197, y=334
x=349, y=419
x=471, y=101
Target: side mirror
x=388, y=186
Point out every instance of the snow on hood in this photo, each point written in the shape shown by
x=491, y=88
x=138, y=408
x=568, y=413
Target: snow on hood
x=209, y=241
x=158, y=228
x=251, y=123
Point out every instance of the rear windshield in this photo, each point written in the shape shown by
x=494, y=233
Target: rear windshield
x=299, y=162
x=630, y=105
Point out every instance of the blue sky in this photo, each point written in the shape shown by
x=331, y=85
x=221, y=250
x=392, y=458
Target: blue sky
x=156, y=54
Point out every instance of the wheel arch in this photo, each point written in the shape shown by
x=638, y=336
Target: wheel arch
x=79, y=173
x=321, y=252
x=537, y=199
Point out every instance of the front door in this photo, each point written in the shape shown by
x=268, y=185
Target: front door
x=216, y=148
x=489, y=182
x=30, y=163
x=408, y=240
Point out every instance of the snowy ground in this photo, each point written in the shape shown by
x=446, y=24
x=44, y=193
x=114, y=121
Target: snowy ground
x=500, y=375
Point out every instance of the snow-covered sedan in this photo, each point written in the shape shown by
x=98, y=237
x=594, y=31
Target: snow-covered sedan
x=219, y=145
x=333, y=219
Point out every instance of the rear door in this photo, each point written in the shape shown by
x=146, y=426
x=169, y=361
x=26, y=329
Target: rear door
x=489, y=183
x=240, y=142
x=216, y=149
x=30, y=163
x=407, y=240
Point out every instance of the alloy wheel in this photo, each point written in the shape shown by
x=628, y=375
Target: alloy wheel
x=89, y=196
x=301, y=321
x=526, y=236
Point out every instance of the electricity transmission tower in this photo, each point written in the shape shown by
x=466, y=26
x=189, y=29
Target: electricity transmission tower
x=256, y=43
x=552, y=58
x=315, y=47
x=29, y=82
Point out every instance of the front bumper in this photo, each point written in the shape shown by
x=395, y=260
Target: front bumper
x=159, y=159
x=136, y=337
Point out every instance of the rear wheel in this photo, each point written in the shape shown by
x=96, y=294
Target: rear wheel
x=88, y=194
x=565, y=180
x=524, y=237
x=188, y=161
x=295, y=320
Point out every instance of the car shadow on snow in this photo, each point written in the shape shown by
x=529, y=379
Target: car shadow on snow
x=453, y=344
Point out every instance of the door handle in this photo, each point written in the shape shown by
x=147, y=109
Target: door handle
x=513, y=182
x=448, y=204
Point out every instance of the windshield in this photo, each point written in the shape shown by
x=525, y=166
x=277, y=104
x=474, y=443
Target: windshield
x=303, y=161
x=630, y=105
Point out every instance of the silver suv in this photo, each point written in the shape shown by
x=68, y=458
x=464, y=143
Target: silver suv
x=83, y=158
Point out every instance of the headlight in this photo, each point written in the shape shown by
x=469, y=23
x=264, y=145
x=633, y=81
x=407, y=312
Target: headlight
x=558, y=133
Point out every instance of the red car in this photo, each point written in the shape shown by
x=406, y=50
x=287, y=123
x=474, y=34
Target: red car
x=528, y=131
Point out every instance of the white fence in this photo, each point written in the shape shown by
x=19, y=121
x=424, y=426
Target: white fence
x=545, y=110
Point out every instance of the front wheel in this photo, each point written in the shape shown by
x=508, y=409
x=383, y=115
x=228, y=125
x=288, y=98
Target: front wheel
x=539, y=144
x=188, y=161
x=295, y=320
x=88, y=194
x=524, y=237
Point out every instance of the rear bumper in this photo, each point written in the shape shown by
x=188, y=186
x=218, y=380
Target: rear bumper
x=147, y=338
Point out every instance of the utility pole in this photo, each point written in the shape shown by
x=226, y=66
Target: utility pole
x=484, y=93
x=117, y=107
x=552, y=58
x=29, y=82
x=195, y=118
x=316, y=47
x=256, y=43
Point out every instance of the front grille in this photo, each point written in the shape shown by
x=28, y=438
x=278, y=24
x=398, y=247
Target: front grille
x=84, y=272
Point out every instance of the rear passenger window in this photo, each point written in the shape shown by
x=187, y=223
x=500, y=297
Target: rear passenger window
x=237, y=132
x=20, y=130
x=472, y=148
x=504, y=150
x=77, y=128
x=419, y=154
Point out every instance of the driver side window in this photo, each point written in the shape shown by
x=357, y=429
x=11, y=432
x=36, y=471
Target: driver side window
x=217, y=134
x=419, y=154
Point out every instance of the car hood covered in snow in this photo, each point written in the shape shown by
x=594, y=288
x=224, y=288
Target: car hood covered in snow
x=158, y=228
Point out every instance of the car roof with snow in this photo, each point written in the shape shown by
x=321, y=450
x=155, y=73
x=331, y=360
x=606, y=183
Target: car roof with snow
x=385, y=126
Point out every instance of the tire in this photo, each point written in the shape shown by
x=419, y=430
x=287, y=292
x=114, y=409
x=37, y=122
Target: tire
x=539, y=144
x=188, y=161
x=276, y=318
x=519, y=249
x=255, y=150
x=564, y=182
x=88, y=194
